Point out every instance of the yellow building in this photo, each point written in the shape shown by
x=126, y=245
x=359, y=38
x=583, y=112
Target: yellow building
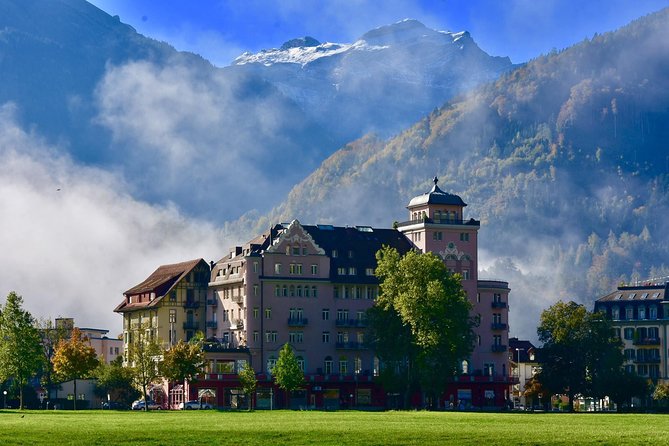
x=169, y=305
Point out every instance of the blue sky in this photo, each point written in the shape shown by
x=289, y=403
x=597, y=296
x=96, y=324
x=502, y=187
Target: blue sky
x=521, y=29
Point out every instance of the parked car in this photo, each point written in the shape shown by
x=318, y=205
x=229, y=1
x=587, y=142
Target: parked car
x=194, y=404
x=114, y=405
x=139, y=405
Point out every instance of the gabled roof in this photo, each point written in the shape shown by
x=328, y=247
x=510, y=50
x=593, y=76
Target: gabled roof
x=164, y=275
x=436, y=196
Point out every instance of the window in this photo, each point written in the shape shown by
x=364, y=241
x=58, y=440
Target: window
x=300, y=363
x=299, y=291
x=256, y=311
x=652, y=312
x=255, y=290
x=328, y=365
x=357, y=365
x=291, y=291
x=271, y=362
x=296, y=250
x=369, y=271
x=629, y=313
x=255, y=267
x=335, y=292
x=335, y=254
x=350, y=254
x=653, y=333
x=295, y=337
x=341, y=271
x=342, y=315
x=304, y=250
x=360, y=337
x=642, y=312
x=615, y=313
x=306, y=291
x=489, y=369
x=314, y=270
x=628, y=333
x=326, y=314
x=465, y=274
x=314, y=291
x=346, y=292
x=343, y=366
x=268, y=313
x=295, y=268
x=496, y=318
x=277, y=268
x=497, y=339
x=256, y=336
x=437, y=235
x=173, y=295
x=464, y=236
x=629, y=354
x=352, y=271
x=284, y=291
x=326, y=337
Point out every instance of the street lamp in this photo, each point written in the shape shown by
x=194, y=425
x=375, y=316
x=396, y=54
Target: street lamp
x=4, y=399
x=518, y=370
x=173, y=319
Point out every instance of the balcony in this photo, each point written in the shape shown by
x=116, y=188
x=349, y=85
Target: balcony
x=350, y=346
x=238, y=299
x=497, y=348
x=212, y=324
x=361, y=323
x=442, y=221
x=651, y=360
x=499, y=304
x=191, y=325
x=647, y=341
x=191, y=304
x=212, y=302
x=297, y=321
x=237, y=324
x=498, y=326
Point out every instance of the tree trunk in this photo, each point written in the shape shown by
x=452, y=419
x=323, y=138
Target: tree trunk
x=20, y=397
x=146, y=399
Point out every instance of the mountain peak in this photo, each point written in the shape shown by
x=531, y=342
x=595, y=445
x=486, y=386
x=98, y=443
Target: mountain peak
x=404, y=30
x=300, y=42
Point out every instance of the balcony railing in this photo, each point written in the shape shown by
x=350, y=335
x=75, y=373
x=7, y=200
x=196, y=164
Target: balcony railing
x=499, y=304
x=212, y=302
x=351, y=323
x=350, y=346
x=651, y=360
x=212, y=324
x=191, y=325
x=498, y=326
x=496, y=348
x=191, y=304
x=238, y=299
x=237, y=324
x=443, y=221
x=297, y=321
x=647, y=341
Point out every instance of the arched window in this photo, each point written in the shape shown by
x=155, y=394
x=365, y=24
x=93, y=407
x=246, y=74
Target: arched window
x=285, y=291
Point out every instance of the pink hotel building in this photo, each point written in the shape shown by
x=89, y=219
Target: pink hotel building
x=311, y=285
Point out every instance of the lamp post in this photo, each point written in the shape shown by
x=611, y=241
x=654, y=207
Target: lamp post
x=173, y=319
x=4, y=399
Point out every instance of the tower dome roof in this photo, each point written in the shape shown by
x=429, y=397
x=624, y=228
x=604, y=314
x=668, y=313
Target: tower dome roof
x=436, y=196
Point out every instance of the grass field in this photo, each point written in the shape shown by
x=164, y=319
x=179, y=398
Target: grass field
x=327, y=428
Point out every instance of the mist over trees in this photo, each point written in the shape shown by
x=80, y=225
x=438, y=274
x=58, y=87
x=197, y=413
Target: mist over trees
x=564, y=160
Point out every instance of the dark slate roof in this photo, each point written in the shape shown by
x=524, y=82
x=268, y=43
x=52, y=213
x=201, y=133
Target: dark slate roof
x=524, y=346
x=437, y=196
x=362, y=241
x=636, y=293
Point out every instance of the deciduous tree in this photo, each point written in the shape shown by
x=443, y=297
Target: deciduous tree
x=249, y=382
x=183, y=361
x=287, y=372
x=74, y=359
x=580, y=350
x=144, y=356
x=21, y=354
x=431, y=319
x=115, y=382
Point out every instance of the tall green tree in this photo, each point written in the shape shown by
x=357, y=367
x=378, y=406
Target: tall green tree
x=115, y=382
x=428, y=311
x=145, y=354
x=74, y=359
x=21, y=354
x=249, y=382
x=51, y=336
x=580, y=351
x=287, y=372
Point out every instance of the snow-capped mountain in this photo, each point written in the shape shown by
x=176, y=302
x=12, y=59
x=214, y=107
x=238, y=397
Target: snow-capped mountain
x=404, y=69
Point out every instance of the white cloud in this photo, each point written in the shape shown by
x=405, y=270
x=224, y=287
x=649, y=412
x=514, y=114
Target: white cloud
x=74, y=239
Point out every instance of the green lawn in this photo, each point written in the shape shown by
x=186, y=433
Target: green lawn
x=327, y=428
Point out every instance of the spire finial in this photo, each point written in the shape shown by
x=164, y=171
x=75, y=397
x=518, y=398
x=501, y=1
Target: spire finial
x=436, y=180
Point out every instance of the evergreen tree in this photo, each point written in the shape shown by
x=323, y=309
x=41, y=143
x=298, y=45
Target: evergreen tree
x=21, y=354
